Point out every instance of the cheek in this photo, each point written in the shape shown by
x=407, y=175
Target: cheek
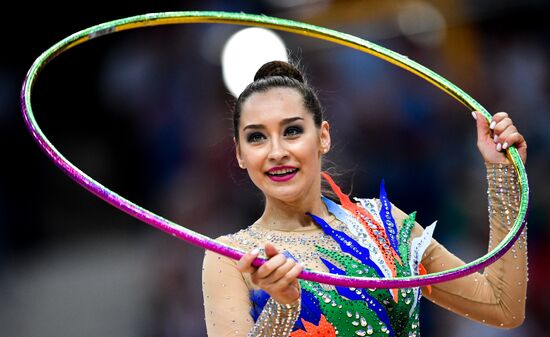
x=309, y=151
x=252, y=157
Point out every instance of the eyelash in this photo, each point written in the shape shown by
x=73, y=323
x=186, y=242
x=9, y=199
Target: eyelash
x=296, y=130
x=254, y=137
x=291, y=131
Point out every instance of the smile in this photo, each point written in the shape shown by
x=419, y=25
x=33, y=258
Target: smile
x=281, y=174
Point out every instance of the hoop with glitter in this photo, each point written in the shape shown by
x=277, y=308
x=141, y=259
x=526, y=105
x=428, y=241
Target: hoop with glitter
x=156, y=19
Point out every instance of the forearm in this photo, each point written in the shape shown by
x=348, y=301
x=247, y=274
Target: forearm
x=496, y=297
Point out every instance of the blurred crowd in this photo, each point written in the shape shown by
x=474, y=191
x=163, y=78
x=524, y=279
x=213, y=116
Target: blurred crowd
x=146, y=113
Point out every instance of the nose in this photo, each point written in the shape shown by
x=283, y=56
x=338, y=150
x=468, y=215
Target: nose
x=277, y=151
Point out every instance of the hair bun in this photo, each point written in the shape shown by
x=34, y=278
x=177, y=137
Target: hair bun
x=279, y=68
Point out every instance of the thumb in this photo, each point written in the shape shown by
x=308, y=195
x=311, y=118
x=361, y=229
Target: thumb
x=483, y=131
x=270, y=250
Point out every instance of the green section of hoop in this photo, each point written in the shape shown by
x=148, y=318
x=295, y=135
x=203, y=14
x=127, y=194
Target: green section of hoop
x=156, y=19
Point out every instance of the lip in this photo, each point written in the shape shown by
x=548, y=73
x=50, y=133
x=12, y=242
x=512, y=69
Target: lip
x=282, y=178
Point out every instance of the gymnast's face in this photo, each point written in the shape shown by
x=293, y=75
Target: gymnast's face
x=280, y=146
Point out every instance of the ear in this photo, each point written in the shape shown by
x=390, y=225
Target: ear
x=324, y=137
x=238, y=153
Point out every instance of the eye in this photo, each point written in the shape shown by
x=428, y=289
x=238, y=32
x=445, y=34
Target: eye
x=293, y=131
x=255, y=137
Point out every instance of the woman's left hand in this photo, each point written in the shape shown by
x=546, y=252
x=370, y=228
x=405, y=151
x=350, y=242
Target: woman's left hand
x=495, y=137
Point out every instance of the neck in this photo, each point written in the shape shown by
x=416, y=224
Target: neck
x=285, y=216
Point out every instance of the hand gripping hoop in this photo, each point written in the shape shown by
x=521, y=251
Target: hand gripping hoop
x=156, y=19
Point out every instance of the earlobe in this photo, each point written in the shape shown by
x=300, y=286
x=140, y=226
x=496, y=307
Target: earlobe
x=325, y=137
x=238, y=154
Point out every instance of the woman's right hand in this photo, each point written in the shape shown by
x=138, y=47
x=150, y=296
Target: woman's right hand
x=278, y=276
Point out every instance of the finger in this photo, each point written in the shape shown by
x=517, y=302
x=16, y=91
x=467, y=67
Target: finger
x=502, y=125
x=289, y=279
x=270, y=266
x=521, y=146
x=280, y=272
x=270, y=250
x=502, y=138
x=483, y=131
x=295, y=272
x=513, y=138
x=245, y=262
x=497, y=118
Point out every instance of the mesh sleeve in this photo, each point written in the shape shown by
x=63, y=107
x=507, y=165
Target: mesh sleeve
x=227, y=304
x=497, y=296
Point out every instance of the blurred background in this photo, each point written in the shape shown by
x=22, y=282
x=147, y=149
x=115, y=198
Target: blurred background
x=146, y=113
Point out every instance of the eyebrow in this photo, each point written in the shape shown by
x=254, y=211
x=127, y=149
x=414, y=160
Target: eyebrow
x=283, y=122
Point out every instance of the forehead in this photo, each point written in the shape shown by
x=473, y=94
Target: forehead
x=273, y=105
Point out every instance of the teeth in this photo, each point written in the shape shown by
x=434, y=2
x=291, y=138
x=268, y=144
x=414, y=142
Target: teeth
x=281, y=172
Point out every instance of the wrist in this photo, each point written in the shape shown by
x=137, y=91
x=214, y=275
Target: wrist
x=289, y=304
x=505, y=161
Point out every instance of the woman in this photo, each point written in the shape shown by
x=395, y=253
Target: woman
x=280, y=139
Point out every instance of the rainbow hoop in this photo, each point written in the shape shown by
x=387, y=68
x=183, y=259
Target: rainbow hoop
x=205, y=242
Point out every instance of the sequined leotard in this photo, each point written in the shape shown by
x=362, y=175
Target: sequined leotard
x=372, y=238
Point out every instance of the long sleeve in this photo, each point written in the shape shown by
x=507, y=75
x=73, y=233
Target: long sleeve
x=227, y=304
x=497, y=296
x=226, y=297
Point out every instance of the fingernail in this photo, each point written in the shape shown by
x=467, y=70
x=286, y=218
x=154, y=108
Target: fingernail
x=495, y=138
x=504, y=146
x=499, y=147
x=493, y=124
x=254, y=251
x=474, y=115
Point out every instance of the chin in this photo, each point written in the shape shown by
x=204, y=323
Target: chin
x=287, y=198
x=287, y=194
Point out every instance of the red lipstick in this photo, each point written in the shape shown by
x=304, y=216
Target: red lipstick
x=282, y=173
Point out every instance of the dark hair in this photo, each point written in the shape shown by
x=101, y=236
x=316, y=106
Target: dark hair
x=277, y=74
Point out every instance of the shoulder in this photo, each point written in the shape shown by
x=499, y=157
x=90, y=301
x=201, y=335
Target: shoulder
x=213, y=258
x=214, y=265
x=240, y=240
x=245, y=239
